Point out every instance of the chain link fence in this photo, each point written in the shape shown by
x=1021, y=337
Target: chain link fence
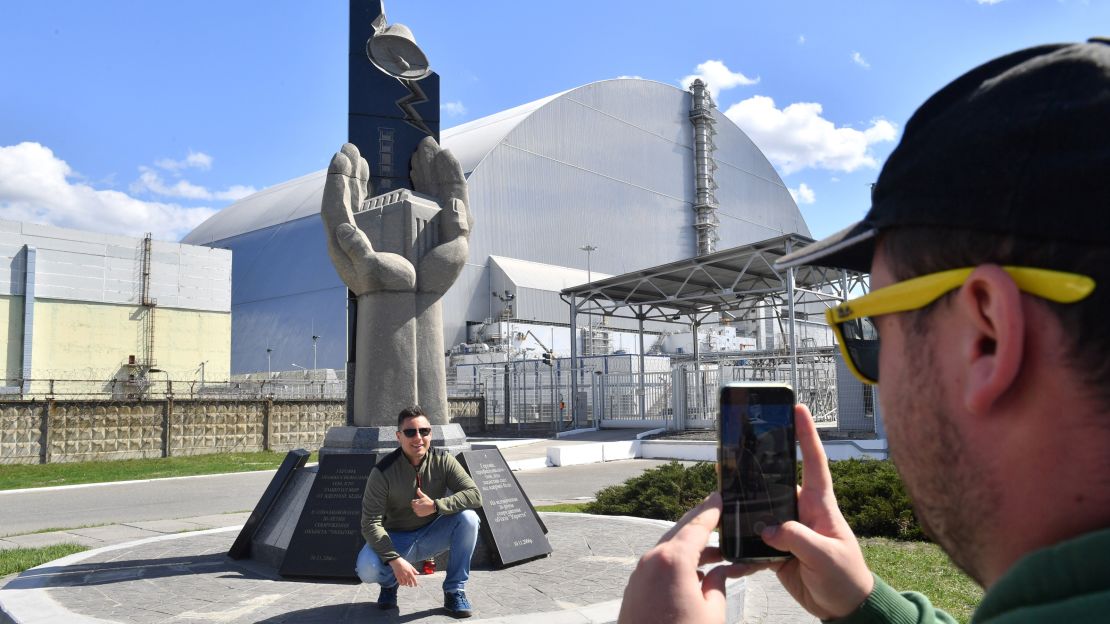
x=158, y=388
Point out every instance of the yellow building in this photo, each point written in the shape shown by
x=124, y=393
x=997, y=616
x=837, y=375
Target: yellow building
x=100, y=314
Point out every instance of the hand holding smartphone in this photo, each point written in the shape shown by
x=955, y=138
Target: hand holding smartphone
x=757, y=474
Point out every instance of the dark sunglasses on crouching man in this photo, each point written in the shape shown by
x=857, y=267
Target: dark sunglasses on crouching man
x=424, y=432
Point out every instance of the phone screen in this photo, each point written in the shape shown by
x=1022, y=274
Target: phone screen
x=758, y=476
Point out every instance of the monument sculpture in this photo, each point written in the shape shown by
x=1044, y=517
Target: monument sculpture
x=397, y=252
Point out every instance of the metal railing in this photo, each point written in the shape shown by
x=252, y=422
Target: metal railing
x=532, y=395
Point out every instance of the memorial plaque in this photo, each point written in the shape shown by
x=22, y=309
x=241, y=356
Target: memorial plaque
x=510, y=526
x=294, y=461
x=328, y=536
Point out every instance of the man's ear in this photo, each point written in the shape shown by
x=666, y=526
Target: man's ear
x=992, y=340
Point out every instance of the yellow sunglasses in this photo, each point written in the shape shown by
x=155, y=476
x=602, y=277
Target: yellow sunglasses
x=859, y=340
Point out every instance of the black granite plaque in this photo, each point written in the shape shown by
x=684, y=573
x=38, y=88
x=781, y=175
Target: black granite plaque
x=328, y=536
x=510, y=526
x=294, y=461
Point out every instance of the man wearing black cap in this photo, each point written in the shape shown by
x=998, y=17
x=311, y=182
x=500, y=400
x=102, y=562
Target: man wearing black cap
x=988, y=244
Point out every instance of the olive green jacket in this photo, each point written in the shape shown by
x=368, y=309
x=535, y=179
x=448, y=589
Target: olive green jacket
x=1066, y=583
x=387, y=500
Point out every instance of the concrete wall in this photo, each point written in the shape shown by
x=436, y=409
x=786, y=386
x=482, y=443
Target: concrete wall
x=11, y=333
x=88, y=293
x=34, y=432
x=80, y=340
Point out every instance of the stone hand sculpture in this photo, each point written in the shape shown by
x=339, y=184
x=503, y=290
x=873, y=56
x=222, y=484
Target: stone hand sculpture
x=399, y=350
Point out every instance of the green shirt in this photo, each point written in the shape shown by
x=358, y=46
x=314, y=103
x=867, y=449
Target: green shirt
x=1068, y=583
x=391, y=487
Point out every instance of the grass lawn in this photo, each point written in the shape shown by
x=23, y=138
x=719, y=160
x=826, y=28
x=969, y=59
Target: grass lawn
x=16, y=476
x=924, y=568
x=567, y=507
x=16, y=560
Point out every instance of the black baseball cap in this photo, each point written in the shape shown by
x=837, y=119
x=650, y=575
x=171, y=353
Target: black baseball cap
x=1019, y=145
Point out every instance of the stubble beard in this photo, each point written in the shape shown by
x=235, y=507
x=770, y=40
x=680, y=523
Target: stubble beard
x=951, y=498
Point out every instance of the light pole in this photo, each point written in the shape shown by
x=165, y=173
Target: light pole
x=295, y=365
x=169, y=384
x=314, y=339
x=268, y=352
x=589, y=249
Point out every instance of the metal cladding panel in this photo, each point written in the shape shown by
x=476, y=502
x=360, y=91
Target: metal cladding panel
x=286, y=324
x=104, y=268
x=468, y=300
x=472, y=141
x=618, y=150
x=535, y=208
x=540, y=305
x=646, y=105
x=287, y=259
x=285, y=289
x=288, y=201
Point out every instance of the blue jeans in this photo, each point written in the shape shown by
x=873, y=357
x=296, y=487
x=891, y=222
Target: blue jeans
x=456, y=532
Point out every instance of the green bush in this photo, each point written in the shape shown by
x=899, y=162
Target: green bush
x=663, y=493
x=869, y=493
x=873, y=499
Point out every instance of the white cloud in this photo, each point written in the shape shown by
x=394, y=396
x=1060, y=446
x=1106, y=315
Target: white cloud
x=803, y=194
x=37, y=186
x=858, y=59
x=801, y=39
x=718, y=77
x=453, y=109
x=797, y=137
x=194, y=160
x=627, y=76
x=988, y=1
x=150, y=182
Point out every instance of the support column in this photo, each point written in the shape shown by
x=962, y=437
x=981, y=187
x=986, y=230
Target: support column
x=575, y=365
x=790, y=309
x=268, y=424
x=29, y=262
x=643, y=397
x=698, y=399
x=47, y=431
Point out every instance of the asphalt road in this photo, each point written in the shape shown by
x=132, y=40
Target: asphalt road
x=167, y=499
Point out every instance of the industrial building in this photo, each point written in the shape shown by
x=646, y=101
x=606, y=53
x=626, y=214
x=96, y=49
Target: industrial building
x=98, y=314
x=599, y=180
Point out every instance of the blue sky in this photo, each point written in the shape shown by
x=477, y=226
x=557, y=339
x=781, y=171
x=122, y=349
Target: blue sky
x=130, y=116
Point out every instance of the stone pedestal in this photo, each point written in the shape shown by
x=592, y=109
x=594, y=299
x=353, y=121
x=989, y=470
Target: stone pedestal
x=382, y=440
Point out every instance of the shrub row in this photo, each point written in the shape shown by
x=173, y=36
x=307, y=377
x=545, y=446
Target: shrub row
x=869, y=492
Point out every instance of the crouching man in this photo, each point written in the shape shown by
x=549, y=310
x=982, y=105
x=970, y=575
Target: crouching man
x=407, y=516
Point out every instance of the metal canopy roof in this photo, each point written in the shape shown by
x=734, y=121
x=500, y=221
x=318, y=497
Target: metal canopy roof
x=734, y=282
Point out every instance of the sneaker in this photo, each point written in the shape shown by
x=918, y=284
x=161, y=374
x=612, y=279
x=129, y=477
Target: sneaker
x=388, y=598
x=457, y=604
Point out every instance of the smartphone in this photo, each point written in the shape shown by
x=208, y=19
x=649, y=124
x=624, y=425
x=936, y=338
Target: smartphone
x=757, y=467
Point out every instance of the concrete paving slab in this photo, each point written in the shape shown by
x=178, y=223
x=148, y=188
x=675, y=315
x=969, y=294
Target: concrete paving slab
x=41, y=540
x=219, y=521
x=114, y=533
x=169, y=526
x=188, y=577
